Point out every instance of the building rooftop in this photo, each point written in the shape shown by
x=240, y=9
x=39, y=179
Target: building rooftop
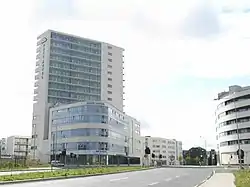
x=19, y=136
x=75, y=36
x=231, y=90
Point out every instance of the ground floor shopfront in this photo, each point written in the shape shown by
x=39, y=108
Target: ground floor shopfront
x=93, y=159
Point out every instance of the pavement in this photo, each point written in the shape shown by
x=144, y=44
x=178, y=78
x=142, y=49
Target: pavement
x=26, y=171
x=220, y=180
x=160, y=177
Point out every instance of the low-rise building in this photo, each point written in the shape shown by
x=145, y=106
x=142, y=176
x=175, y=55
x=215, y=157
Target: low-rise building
x=96, y=132
x=18, y=146
x=168, y=149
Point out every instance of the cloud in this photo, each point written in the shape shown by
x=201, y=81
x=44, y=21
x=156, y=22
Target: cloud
x=157, y=57
x=108, y=10
x=56, y=10
x=144, y=124
x=202, y=21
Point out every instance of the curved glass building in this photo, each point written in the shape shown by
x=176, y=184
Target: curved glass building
x=233, y=122
x=96, y=132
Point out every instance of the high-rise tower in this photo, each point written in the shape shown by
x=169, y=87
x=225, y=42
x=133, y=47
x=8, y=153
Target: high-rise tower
x=71, y=69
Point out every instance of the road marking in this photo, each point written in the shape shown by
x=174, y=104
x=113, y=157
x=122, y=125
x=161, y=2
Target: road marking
x=168, y=179
x=118, y=179
x=177, y=176
x=154, y=183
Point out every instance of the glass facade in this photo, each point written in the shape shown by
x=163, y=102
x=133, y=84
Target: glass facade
x=115, y=128
x=75, y=69
x=89, y=146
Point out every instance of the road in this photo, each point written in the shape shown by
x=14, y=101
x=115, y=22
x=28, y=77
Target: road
x=162, y=177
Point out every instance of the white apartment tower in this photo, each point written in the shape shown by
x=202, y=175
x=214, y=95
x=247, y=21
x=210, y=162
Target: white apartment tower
x=70, y=69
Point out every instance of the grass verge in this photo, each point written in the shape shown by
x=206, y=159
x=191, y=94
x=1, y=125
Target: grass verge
x=67, y=173
x=242, y=178
x=20, y=168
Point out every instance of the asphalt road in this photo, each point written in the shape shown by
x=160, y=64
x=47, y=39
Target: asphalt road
x=171, y=177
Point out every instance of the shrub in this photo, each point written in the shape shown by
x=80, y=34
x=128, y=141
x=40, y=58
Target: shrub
x=242, y=178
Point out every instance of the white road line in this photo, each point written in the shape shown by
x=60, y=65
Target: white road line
x=154, y=183
x=118, y=179
x=177, y=176
x=168, y=179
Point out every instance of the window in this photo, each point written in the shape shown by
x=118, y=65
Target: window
x=109, y=53
x=110, y=60
x=109, y=47
x=110, y=79
x=109, y=72
x=109, y=66
x=109, y=85
x=109, y=92
x=109, y=99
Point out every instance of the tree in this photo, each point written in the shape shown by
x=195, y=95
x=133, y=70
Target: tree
x=188, y=160
x=197, y=159
x=180, y=159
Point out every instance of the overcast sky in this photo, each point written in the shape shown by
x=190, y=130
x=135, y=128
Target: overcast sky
x=178, y=55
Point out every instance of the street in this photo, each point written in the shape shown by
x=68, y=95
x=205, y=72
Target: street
x=162, y=177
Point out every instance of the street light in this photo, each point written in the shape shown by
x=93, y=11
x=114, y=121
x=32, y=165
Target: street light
x=205, y=142
x=237, y=127
x=34, y=141
x=128, y=149
x=205, y=146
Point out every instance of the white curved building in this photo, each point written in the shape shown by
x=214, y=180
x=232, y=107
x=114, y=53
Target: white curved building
x=233, y=110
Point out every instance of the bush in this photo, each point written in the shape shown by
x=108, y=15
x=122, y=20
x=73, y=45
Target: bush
x=66, y=173
x=242, y=178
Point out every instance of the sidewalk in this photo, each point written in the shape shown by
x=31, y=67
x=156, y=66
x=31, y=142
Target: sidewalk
x=220, y=180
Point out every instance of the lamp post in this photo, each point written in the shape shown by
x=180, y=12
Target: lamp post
x=238, y=134
x=205, y=142
x=205, y=147
x=128, y=149
x=34, y=142
x=237, y=128
x=132, y=142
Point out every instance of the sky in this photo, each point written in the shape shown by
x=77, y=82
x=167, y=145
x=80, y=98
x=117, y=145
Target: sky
x=178, y=55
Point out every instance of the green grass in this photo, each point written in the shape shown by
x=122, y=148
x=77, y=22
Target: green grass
x=67, y=173
x=242, y=178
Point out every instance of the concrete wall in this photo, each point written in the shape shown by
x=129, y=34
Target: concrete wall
x=112, y=74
